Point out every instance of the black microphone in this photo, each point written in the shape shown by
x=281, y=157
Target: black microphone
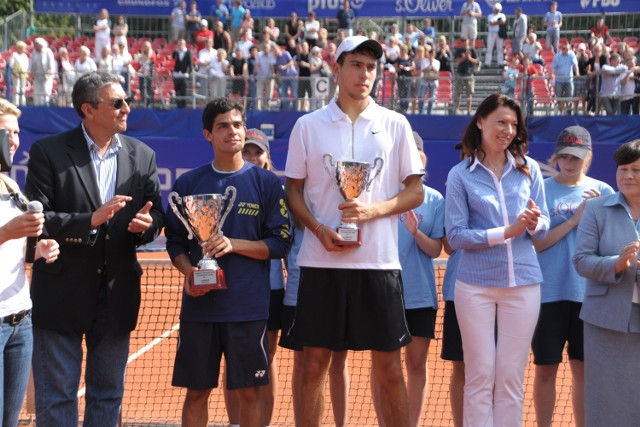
x=30, y=254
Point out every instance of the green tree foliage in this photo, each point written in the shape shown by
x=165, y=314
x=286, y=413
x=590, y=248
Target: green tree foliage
x=7, y=7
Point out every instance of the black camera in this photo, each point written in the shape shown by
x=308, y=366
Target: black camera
x=5, y=154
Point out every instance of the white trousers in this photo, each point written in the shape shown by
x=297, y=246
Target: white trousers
x=495, y=360
x=19, y=88
x=264, y=92
x=494, y=41
x=217, y=86
x=42, y=88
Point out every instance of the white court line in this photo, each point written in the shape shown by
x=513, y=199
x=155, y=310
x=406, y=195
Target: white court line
x=142, y=351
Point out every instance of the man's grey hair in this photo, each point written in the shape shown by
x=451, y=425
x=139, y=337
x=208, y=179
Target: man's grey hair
x=85, y=90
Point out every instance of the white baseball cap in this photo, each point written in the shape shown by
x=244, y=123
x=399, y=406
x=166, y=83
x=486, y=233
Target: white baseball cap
x=351, y=43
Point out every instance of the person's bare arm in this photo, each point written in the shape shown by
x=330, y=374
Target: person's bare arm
x=294, y=193
x=410, y=197
x=431, y=247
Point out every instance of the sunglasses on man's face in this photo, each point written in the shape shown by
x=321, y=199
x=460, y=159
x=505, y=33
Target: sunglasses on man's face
x=119, y=103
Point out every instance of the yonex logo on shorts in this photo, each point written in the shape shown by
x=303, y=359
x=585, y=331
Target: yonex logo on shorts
x=260, y=374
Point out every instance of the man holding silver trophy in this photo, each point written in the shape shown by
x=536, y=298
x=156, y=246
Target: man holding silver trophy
x=350, y=295
x=237, y=213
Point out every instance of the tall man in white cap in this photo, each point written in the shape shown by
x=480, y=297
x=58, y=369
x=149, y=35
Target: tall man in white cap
x=42, y=67
x=495, y=21
x=350, y=296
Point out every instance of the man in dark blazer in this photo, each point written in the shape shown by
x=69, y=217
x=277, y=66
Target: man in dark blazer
x=182, y=68
x=101, y=199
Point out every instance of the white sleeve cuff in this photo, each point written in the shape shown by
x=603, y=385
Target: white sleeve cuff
x=495, y=236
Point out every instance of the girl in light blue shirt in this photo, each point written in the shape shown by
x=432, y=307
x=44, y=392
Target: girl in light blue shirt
x=420, y=233
x=562, y=288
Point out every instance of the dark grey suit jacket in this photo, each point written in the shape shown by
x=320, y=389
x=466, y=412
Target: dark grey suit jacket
x=62, y=177
x=605, y=228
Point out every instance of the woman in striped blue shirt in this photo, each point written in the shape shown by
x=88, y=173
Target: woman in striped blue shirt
x=494, y=206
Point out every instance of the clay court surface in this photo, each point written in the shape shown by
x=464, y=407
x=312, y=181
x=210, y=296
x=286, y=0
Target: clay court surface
x=150, y=400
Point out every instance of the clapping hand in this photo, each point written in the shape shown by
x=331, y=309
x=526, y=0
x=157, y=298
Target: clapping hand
x=530, y=215
x=588, y=194
x=48, y=249
x=108, y=210
x=627, y=255
x=142, y=220
x=527, y=220
x=411, y=222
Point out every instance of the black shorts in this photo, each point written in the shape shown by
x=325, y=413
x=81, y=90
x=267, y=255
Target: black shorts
x=275, y=310
x=559, y=323
x=286, y=337
x=421, y=322
x=451, y=338
x=345, y=309
x=200, y=349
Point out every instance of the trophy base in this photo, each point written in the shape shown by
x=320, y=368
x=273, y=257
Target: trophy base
x=207, y=280
x=350, y=236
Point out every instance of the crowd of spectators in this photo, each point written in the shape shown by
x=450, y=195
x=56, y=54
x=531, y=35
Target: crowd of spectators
x=279, y=67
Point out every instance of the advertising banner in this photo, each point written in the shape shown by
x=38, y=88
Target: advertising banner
x=176, y=137
x=413, y=9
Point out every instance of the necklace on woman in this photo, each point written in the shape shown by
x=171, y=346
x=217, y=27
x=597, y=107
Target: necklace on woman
x=491, y=167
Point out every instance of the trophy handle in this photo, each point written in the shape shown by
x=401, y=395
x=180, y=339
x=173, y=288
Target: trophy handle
x=327, y=162
x=229, y=192
x=176, y=211
x=377, y=167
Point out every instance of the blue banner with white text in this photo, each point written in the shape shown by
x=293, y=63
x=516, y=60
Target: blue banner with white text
x=176, y=137
x=329, y=8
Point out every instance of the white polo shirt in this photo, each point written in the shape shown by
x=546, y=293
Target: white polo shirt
x=493, y=18
x=377, y=132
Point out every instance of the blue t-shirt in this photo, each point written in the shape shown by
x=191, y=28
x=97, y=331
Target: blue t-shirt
x=283, y=59
x=237, y=13
x=194, y=25
x=345, y=18
x=511, y=78
x=259, y=213
x=560, y=281
x=450, y=274
x=563, y=65
x=429, y=32
x=550, y=16
x=418, y=276
x=221, y=12
x=276, y=278
x=293, y=270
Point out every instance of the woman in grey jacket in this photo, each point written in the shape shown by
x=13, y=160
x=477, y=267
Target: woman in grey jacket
x=607, y=247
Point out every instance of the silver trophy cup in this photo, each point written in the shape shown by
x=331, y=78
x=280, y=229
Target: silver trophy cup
x=203, y=217
x=351, y=178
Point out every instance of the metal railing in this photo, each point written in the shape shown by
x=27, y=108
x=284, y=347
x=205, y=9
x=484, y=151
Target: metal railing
x=621, y=25
x=14, y=28
x=538, y=95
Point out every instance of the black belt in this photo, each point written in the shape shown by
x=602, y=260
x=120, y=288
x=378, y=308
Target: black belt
x=15, y=318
